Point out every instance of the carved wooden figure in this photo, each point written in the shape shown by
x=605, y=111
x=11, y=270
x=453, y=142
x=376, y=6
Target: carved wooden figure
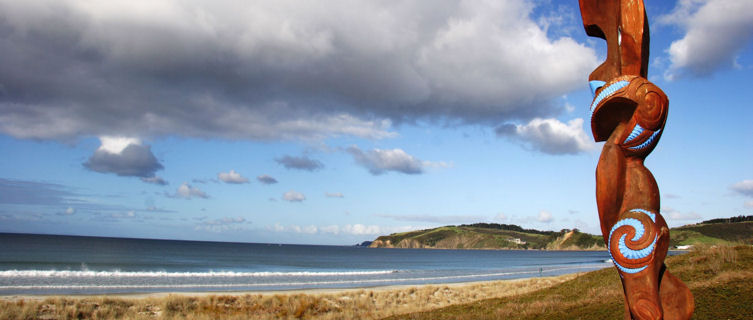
x=628, y=113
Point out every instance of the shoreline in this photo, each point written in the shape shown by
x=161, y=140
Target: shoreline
x=309, y=291
x=354, y=303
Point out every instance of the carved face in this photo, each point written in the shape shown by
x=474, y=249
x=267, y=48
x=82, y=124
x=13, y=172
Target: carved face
x=623, y=24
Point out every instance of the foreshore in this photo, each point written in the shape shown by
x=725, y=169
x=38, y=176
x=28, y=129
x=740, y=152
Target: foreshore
x=358, y=303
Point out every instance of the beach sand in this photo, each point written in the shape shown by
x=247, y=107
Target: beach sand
x=360, y=303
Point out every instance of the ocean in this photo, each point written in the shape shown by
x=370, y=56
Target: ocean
x=51, y=264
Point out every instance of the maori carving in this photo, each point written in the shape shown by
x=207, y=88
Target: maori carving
x=628, y=113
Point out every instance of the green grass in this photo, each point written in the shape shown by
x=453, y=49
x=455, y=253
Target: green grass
x=721, y=279
x=740, y=232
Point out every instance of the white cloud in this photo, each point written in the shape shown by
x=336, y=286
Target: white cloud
x=748, y=204
x=550, y=135
x=500, y=217
x=115, y=145
x=744, y=187
x=186, y=191
x=293, y=196
x=544, y=216
x=673, y=214
x=380, y=161
x=232, y=177
x=310, y=229
x=350, y=229
x=296, y=70
x=333, y=229
x=715, y=33
x=334, y=195
x=222, y=224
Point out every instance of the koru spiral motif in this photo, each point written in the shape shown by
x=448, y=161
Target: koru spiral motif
x=632, y=241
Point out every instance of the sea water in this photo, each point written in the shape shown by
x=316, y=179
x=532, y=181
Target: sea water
x=50, y=264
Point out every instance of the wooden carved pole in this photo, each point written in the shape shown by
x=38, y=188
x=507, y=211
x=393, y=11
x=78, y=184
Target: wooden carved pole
x=628, y=113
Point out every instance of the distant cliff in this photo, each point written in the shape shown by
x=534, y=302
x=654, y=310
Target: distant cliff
x=490, y=236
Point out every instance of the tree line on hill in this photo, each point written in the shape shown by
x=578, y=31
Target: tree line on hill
x=739, y=218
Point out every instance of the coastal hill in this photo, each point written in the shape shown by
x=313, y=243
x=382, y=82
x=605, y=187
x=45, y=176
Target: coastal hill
x=736, y=230
x=490, y=236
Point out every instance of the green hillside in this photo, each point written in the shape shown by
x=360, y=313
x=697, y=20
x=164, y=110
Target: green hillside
x=490, y=236
x=736, y=230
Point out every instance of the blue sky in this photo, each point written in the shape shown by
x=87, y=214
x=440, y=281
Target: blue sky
x=335, y=122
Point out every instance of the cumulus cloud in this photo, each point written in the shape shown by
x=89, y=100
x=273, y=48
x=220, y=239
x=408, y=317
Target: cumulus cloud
x=272, y=70
x=222, y=224
x=334, y=195
x=124, y=156
x=293, y=196
x=186, y=191
x=544, y=216
x=265, y=179
x=232, y=177
x=300, y=163
x=549, y=136
x=744, y=187
x=380, y=161
x=715, y=33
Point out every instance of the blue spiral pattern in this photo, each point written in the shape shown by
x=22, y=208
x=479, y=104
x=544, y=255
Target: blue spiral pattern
x=628, y=253
x=606, y=92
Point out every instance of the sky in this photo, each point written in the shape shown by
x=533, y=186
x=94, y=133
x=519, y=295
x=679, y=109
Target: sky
x=334, y=122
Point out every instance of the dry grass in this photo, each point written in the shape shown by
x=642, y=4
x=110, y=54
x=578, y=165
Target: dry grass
x=720, y=277
x=346, y=304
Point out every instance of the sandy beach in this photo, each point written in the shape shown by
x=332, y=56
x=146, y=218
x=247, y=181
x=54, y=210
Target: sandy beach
x=360, y=303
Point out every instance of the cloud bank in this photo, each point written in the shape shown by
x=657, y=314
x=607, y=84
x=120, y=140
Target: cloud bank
x=271, y=70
